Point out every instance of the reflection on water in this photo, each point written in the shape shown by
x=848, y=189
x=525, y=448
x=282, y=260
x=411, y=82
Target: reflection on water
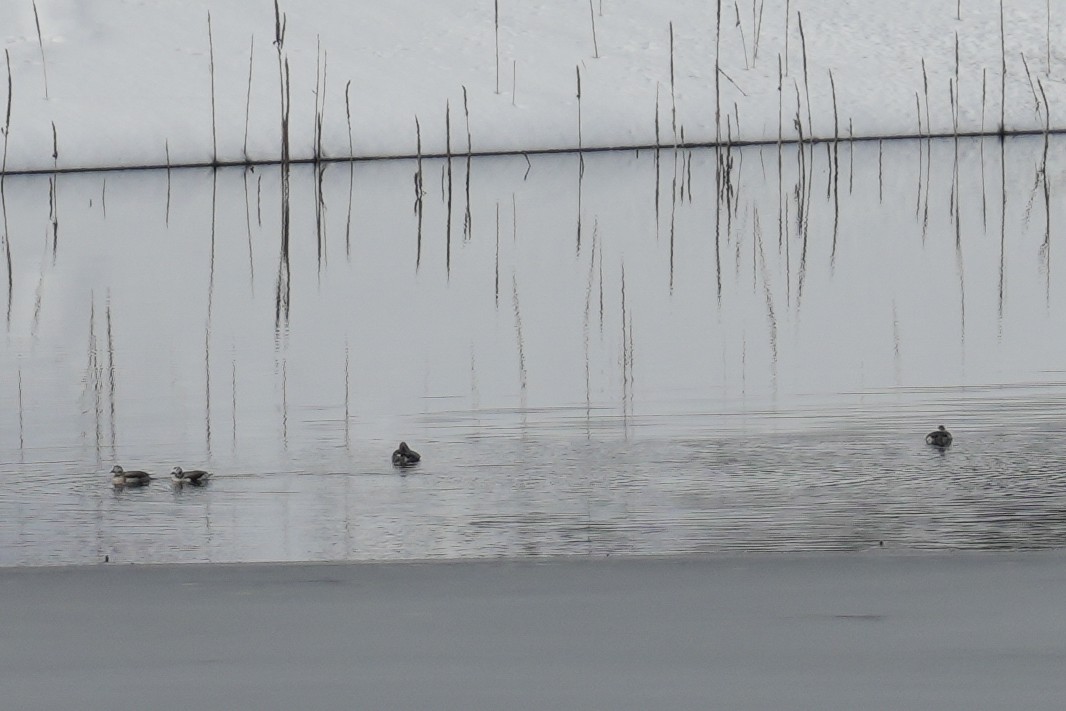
x=650, y=353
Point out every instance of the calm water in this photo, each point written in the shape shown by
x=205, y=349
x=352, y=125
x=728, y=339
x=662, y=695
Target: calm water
x=626, y=354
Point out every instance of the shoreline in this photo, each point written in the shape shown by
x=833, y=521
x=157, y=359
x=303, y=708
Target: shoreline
x=564, y=559
x=544, y=151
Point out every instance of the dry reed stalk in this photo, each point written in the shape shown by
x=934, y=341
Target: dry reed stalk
x=1032, y=87
x=954, y=108
x=780, y=107
x=211, y=50
x=1047, y=114
x=348, y=113
x=248, y=98
x=788, y=18
x=757, y=21
x=984, y=84
x=595, y=45
x=806, y=83
x=418, y=147
x=717, y=69
x=743, y=39
x=657, y=141
x=1003, y=73
x=320, y=151
x=836, y=121
x=316, y=140
x=40, y=43
x=466, y=113
x=579, y=143
x=448, y=131
x=280, y=24
x=7, y=117
x=673, y=95
x=925, y=85
x=514, y=80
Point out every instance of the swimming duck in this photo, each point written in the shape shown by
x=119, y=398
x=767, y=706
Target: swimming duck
x=404, y=456
x=196, y=477
x=939, y=437
x=121, y=477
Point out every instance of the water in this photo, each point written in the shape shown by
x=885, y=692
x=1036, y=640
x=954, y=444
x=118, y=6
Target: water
x=593, y=357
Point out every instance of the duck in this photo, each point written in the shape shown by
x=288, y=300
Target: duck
x=939, y=437
x=121, y=477
x=196, y=477
x=404, y=456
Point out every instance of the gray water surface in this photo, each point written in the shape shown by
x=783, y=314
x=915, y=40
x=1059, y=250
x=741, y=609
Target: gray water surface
x=607, y=355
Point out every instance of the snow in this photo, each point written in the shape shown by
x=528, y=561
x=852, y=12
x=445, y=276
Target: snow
x=129, y=82
x=875, y=631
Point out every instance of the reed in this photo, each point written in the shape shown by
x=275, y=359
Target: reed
x=806, y=82
x=514, y=80
x=925, y=86
x=717, y=69
x=40, y=44
x=1047, y=37
x=984, y=85
x=166, y=148
x=954, y=108
x=448, y=130
x=466, y=114
x=248, y=96
x=320, y=118
x=1032, y=86
x=418, y=146
x=836, y=120
x=316, y=140
x=780, y=107
x=7, y=114
x=673, y=95
x=211, y=55
x=658, y=142
x=1003, y=74
x=1047, y=115
x=595, y=45
x=788, y=18
x=579, y=142
x=280, y=24
x=757, y=32
x=740, y=28
x=348, y=115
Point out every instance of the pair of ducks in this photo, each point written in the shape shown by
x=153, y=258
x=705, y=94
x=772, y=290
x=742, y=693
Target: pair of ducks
x=939, y=437
x=121, y=477
x=404, y=456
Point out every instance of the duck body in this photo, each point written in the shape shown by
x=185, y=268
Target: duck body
x=939, y=437
x=404, y=456
x=195, y=477
x=121, y=477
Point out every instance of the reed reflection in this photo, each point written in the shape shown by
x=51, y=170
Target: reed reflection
x=894, y=308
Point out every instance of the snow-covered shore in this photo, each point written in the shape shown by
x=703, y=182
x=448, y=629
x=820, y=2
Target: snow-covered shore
x=130, y=83
x=874, y=631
